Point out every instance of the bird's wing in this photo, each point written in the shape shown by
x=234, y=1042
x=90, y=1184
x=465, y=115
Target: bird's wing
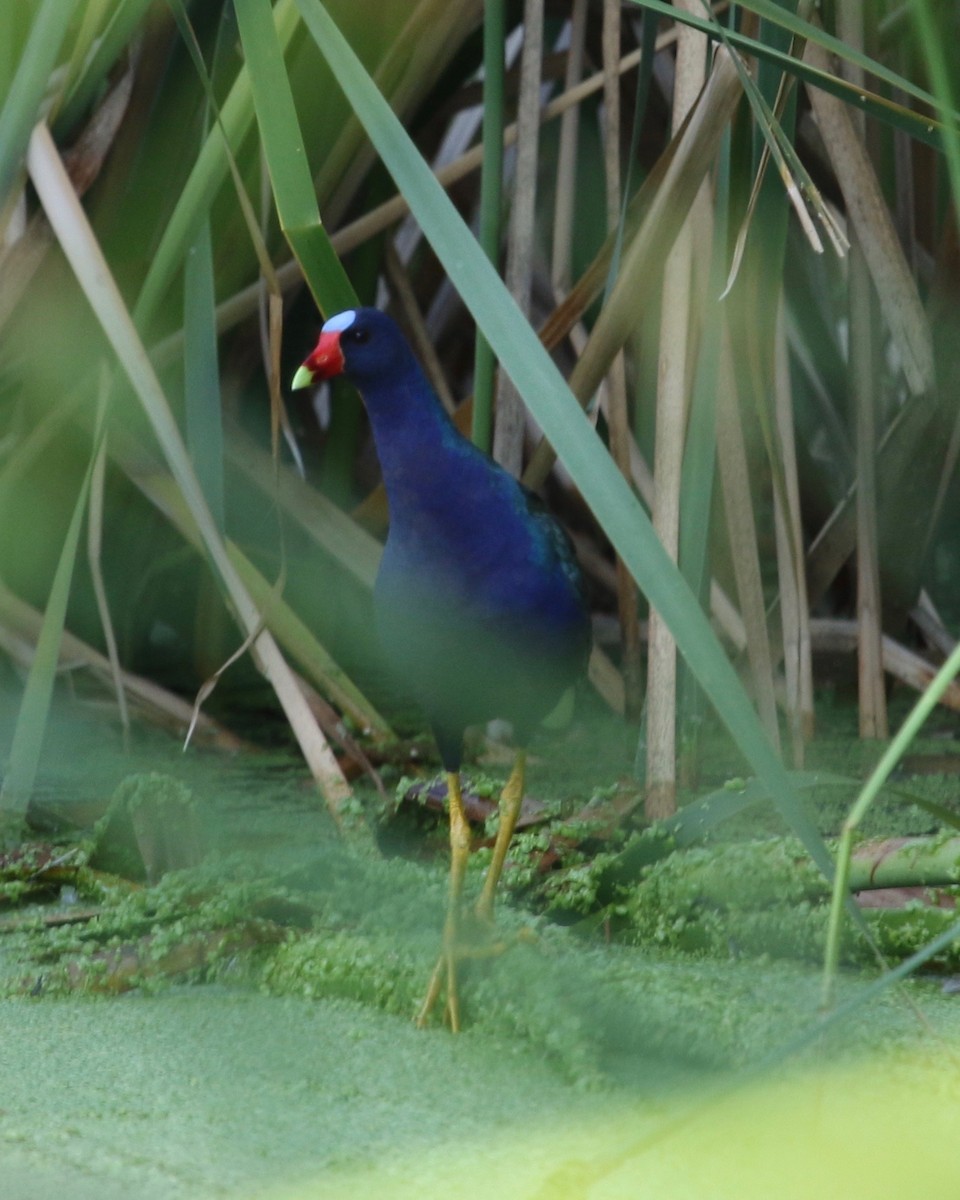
x=560, y=547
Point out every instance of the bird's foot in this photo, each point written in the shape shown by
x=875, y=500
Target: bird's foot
x=476, y=939
x=446, y=969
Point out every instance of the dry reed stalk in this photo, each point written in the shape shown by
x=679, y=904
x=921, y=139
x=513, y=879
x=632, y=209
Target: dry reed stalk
x=836, y=635
x=795, y=613
x=741, y=528
x=672, y=392
x=565, y=192
x=864, y=381
x=617, y=412
x=510, y=416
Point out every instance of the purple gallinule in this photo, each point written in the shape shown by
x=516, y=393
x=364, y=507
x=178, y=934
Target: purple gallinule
x=479, y=602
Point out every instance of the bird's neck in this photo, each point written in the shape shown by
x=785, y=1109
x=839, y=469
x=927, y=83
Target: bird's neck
x=417, y=443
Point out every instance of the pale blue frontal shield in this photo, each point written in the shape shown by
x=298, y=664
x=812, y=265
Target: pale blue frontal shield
x=339, y=321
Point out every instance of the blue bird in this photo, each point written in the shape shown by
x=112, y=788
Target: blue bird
x=479, y=602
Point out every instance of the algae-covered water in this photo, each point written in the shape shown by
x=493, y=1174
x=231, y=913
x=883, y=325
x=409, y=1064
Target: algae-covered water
x=292, y=1069
x=204, y=1093
x=207, y=1092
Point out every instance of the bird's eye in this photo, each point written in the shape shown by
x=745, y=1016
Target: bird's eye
x=358, y=336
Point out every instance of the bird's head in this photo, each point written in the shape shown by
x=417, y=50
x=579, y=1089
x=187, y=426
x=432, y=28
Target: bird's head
x=362, y=343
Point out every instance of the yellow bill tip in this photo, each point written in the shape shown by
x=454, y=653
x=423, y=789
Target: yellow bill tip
x=303, y=378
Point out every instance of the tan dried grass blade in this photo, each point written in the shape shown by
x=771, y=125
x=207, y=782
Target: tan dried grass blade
x=94, y=558
x=795, y=611
x=93, y=273
x=867, y=210
x=159, y=706
x=689, y=160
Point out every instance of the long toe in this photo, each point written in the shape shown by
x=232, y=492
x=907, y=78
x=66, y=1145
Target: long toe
x=445, y=972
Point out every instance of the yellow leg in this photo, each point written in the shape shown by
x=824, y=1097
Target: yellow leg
x=510, y=800
x=446, y=968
